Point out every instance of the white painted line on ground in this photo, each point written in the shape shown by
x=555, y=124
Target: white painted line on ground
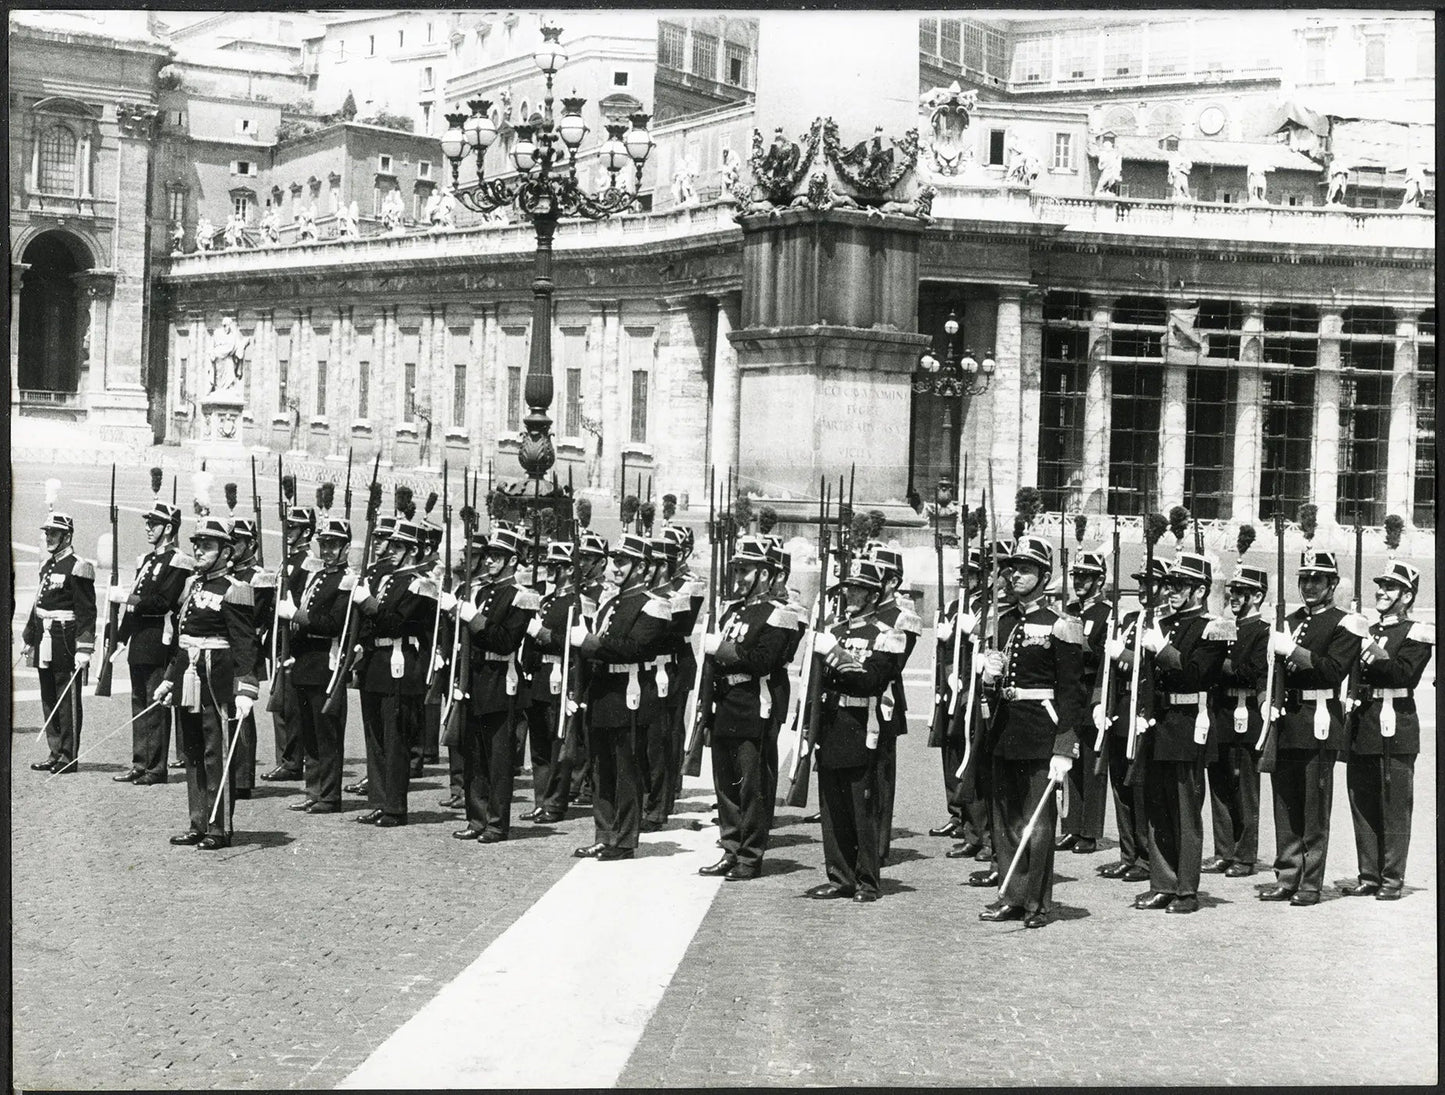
x=606, y=940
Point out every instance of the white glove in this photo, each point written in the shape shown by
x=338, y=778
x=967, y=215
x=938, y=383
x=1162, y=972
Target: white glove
x=467, y=610
x=534, y=626
x=82, y=660
x=1281, y=644
x=577, y=634
x=243, y=707
x=286, y=608
x=1059, y=768
x=969, y=622
x=118, y=594
x=842, y=661
x=711, y=642
x=1374, y=653
x=447, y=601
x=1115, y=649
x=1101, y=720
x=163, y=690
x=943, y=631
x=118, y=658
x=1153, y=640
x=992, y=666
x=361, y=593
x=824, y=643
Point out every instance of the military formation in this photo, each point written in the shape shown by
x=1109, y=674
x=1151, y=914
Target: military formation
x=615, y=665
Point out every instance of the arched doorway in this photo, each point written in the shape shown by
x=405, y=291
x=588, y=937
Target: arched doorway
x=53, y=314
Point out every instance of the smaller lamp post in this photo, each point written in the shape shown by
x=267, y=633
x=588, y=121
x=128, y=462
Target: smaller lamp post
x=951, y=379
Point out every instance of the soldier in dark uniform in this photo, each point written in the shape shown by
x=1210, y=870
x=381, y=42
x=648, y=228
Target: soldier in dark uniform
x=542, y=657
x=1316, y=650
x=316, y=619
x=396, y=605
x=1380, y=772
x=211, y=680
x=497, y=615
x=148, y=631
x=687, y=593
x=300, y=526
x=629, y=630
x=947, y=637
x=1083, y=825
x=371, y=570
x=263, y=594
x=59, y=638
x=892, y=707
x=1189, y=648
x=978, y=788
x=785, y=598
x=655, y=757
x=1035, y=678
x=747, y=648
x=592, y=552
x=860, y=659
x=1129, y=808
x=1234, y=712
x=427, y=747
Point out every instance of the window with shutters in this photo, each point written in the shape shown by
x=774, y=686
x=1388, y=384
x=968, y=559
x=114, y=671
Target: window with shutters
x=572, y=401
x=704, y=56
x=671, y=40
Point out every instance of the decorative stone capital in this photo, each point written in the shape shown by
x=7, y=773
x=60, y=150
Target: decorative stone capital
x=137, y=120
x=96, y=284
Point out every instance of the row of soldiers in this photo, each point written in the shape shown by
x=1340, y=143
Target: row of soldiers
x=592, y=661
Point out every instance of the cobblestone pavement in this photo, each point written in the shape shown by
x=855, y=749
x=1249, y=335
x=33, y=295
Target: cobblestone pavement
x=286, y=960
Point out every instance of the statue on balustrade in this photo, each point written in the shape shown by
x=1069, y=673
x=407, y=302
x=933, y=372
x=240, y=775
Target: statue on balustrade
x=684, y=190
x=440, y=209
x=1179, y=168
x=1111, y=167
x=346, y=218
x=1257, y=175
x=178, y=238
x=205, y=234
x=1339, y=176
x=306, y=222
x=1023, y=166
x=1414, y=196
x=235, y=234
x=950, y=109
x=271, y=228
x=393, y=212
x=731, y=175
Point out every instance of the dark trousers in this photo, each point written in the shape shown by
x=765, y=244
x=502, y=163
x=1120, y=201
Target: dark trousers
x=952, y=756
x=205, y=738
x=770, y=765
x=1303, y=782
x=673, y=710
x=975, y=793
x=150, y=735
x=551, y=767
x=286, y=728
x=581, y=759
x=243, y=764
x=487, y=760
x=1382, y=815
x=1174, y=805
x=1129, y=811
x=519, y=744
x=62, y=734
x=322, y=741
x=616, y=783
x=1088, y=793
x=1234, y=803
x=848, y=801
x=653, y=763
x=886, y=771
x=744, y=797
x=431, y=732
x=1018, y=785
x=383, y=720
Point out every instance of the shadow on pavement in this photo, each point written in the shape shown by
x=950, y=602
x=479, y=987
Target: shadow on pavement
x=889, y=886
x=1207, y=900
x=897, y=856
x=659, y=848
x=1070, y=912
x=773, y=867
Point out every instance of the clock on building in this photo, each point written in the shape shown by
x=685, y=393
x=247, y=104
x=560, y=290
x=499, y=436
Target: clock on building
x=1211, y=120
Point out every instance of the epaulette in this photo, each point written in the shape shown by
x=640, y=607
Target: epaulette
x=1356, y=624
x=83, y=568
x=783, y=617
x=909, y=621
x=348, y=581
x=1223, y=629
x=657, y=607
x=1069, y=629
x=891, y=641
x=694, y=587
x=263, y=580
x=181, y=561
x=1421, y=632
x=528, y=600
x=238, y=592
x=140, y=560
x=679, y=602
x=311, y=564
x=423, y=586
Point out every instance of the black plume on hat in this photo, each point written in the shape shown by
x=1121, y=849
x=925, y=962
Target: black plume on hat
x=326, y=495
x=288, y=488
x=373, y=500
x=231, y=497
x=401, y=500
x=156, y=476
x=431, y=501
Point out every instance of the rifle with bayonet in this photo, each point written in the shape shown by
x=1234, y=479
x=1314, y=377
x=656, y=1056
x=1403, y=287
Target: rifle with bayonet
x=1106, y=667
x=810, y=687
x=434, y=684
x=347, y=492
x=347, y=649
x=112, y=622
x=699, y=711
x=282, y=700
x=454, y=705
x=1274, y=676
x=973, y=700
x=256, y=508
x=1141, y=677
x=947, y=682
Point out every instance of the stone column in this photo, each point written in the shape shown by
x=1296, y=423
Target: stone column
x=683, y=407
x=1248, y=418
x=1031, y=385
x=1400, y=469
x=1326, y=467
x=481, y=381
x=592, y=405
x=17, y=275
x=1098, y=410
x=1173, y=428
x=723, y=426
x=491, y=379
x=94, y=292
x=1005, y=399
x=614, y=425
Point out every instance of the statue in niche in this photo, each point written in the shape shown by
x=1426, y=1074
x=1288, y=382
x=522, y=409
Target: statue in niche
x=393, y=212
x=228, y=356
x=1111, y=167
x=205, y=234
x=1414, y=196
x=1257, y=176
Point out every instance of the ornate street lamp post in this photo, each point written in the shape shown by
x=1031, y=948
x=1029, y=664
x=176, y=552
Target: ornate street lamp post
x=545, y=189
x=950, y=380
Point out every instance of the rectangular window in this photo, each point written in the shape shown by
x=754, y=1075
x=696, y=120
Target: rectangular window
x=1063, y=151
x=183, y=397
x=241, y=205
x=245, y=126
x=383, y=163
x=514, y=397
x=243, y=167
x=426, y=117
x=1208, y=442
x=408, y=392
x=1061, y=418
x=429, y=30
x=1169, y=45
x=401, y=39
x=1424, y=508
x=1364, y=447
x=283, y=369
x=972, y=45
x=376, y=201
x=1134, y=438
x=321, y=388
x=704, y=56
x=928, y=36
x=639, y=405
x=363, y=389
x=1375, y=57
x=341, y=49
x=1425, y=58
x=995, y=54
x=1123, y=53
x=459, y=394
x=423, y=169
x=737, y=66
x=1080, y=59
x=1317, y=60
x=572, y=396
x=996, y=147
x=428, y=78
x=1289, y=419
x=178, y=206
x=671, y=40
x=619, y=79
x=1033, y=61
x=949, y=40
